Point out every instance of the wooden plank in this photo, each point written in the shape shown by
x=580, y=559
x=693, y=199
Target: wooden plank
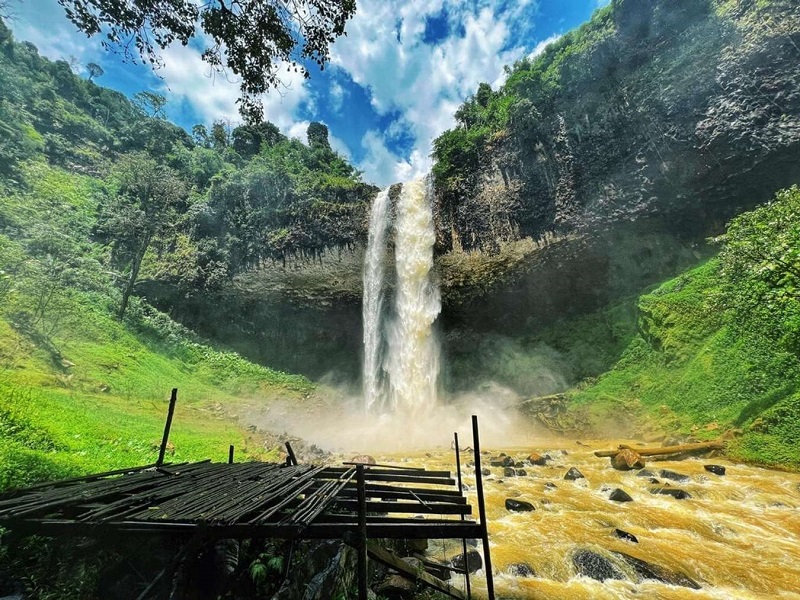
x=409, y=572
x=395, y=474
x=408, y=507
x=663, y=450
x=405, y=494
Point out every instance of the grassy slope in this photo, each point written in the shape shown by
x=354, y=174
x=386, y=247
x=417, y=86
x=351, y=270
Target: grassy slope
x=81, y=391
x=688, y=368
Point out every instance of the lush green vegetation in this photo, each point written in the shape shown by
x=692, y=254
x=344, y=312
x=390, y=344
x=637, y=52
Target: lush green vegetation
x=82, y=391
x=717, y=347
x=97, y=193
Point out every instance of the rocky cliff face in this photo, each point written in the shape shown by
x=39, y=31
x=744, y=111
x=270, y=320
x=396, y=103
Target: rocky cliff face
x=685, y=109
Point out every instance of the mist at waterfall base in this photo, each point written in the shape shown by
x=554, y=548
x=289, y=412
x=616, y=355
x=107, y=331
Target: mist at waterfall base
x=402, y=406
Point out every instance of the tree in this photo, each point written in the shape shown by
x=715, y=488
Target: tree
x=144, y=210
x=254, y=39
x=317, y=135
x=95, y=70
x=151, y=103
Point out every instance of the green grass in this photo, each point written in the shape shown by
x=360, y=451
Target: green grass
x=81, y=391
x=688, y=368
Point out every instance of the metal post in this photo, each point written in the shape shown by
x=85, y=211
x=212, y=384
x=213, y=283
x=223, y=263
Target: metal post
x=487, y=557
x=362, y=531
x=461, y=491
x=173, y=398
x=292, y=457
x=230, y=454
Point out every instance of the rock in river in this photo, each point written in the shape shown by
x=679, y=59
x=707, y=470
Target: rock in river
x=715, y=469
x=573, y=474
x=473, y=562
x=626, y=460
x=619, y=495
x=647, y=570
x=518, y=505
x=674, y=492
x=593, y=565
x=672, y=475
x=521, y=570
x=624, y=535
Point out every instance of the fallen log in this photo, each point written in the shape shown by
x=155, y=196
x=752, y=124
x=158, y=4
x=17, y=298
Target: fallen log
x=700, y=446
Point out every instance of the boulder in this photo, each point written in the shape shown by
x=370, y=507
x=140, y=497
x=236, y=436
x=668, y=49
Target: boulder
x=646, y=570
x=593, y=565
x=502, y=461
x=624, y=535
x=363, y=459
x=519, y=464
x=573, y=474
x=518, y=505
x=521, y=473
x=509, y=472
x=626, y=460
x=619, y=495
x=486, y=472
x=715, y=469
x=396, y=587
x=520, y=569
x=473, y=562
x=674, y=492
x=673, y=476
x=537, y=459
x=645, y=473
x=550, y=486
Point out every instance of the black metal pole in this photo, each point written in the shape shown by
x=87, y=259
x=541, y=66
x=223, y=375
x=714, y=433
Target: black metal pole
x=230, y=454
x=173, y=398
x=463, y=540
x=362, y=531
x=292, y=457
x=487, y=557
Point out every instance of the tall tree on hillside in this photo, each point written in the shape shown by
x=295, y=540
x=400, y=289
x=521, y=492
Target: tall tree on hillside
x=95, y=70
x=253, y=39
x=144, y=210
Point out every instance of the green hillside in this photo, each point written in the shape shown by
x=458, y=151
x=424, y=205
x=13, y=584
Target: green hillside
x=717, y=347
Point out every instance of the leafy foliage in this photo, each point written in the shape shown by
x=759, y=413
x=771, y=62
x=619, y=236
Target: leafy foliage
x=719, y=344
x=251, y=38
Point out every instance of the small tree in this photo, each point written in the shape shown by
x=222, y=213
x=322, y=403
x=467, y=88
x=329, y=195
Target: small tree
x=95, y=70
x=151, y=104
x=144, y=210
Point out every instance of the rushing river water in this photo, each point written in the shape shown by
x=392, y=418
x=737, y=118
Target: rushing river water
x=738, y=536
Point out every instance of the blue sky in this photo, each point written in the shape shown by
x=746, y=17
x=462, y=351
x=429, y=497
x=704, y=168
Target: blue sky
x=393, y=84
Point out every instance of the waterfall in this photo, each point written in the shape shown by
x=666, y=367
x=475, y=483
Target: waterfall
x=372, y=308
x=404, y=377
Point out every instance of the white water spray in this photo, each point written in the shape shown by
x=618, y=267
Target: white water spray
x=372, y=309
x=403, y=378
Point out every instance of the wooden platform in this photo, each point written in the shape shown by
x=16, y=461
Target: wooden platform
x=245, y=500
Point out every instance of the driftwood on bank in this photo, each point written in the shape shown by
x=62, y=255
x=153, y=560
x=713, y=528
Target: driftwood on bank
x=698, y=447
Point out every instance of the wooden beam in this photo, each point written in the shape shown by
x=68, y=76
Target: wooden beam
x=409, y=572
x=408, y=507
x=487, y=557
x=362, y=534
x=663, y=450
x=171, y=411
x=461, y=491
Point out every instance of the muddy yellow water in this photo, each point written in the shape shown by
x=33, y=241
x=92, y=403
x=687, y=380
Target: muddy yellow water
x=738, y=536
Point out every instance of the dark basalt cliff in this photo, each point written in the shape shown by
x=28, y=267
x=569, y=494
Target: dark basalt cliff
x=684, y=109
x=599, y=168
x=602, y=165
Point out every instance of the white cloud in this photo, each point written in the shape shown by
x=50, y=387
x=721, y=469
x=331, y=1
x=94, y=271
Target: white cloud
x=187, y=78
x=336, y=94
x=383, y=167
x=424, y=82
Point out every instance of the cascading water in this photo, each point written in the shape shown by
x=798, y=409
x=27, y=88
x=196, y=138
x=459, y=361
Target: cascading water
x=405, y=379
x=372, y=309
